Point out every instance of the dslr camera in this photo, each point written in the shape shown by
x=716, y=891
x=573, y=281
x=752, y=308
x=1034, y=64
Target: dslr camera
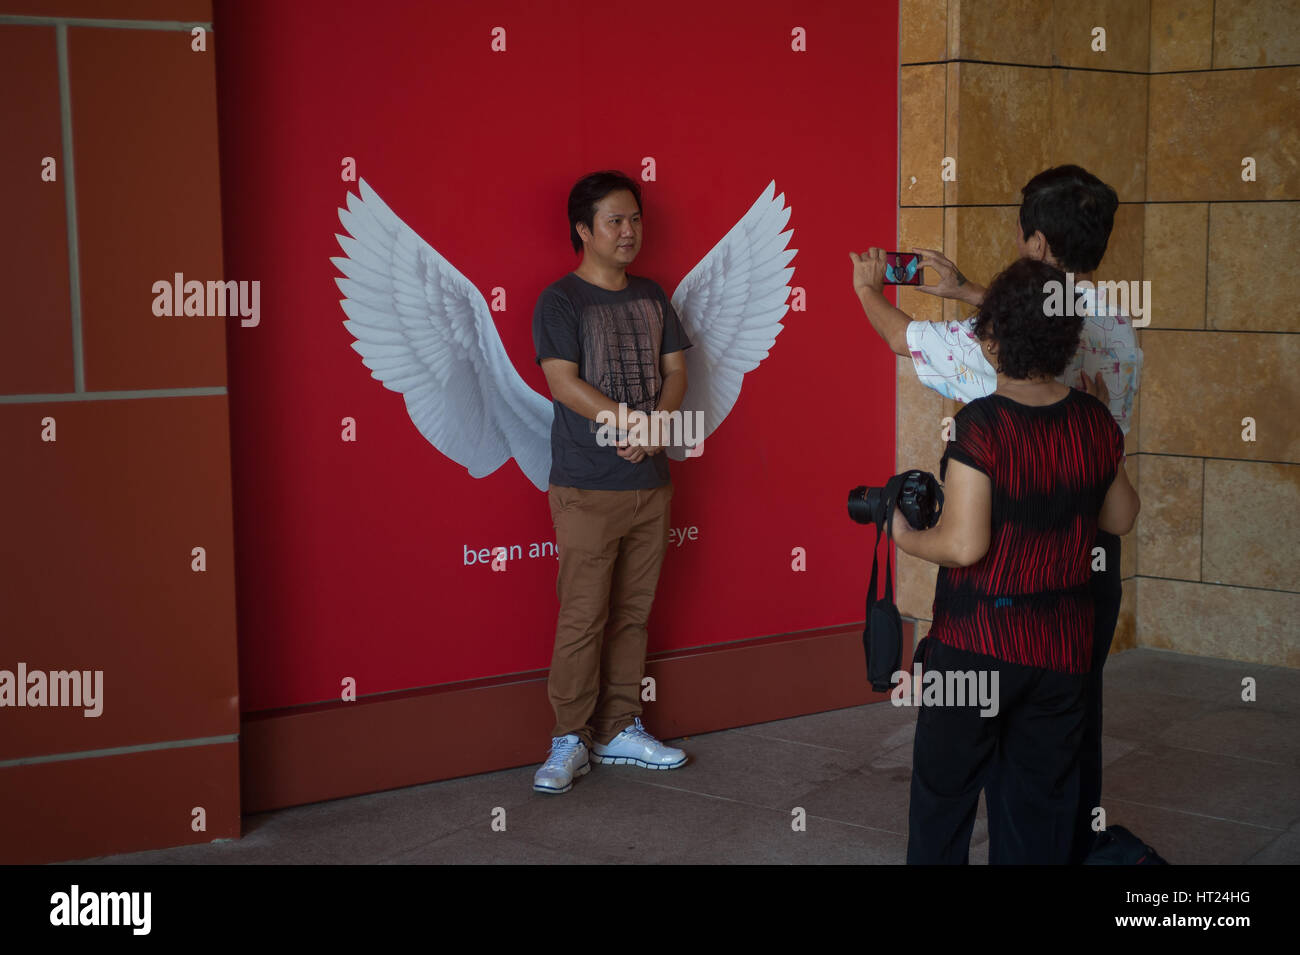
x=916, y=493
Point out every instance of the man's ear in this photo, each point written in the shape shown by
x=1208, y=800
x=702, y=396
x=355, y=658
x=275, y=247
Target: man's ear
x=1038, y=247
x=1048, y=257
x=583, y=232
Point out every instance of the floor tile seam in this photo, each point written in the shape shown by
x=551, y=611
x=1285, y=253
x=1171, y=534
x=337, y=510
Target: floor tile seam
x=799, y=742
x=1188, y=812
x=524, y=839
x=1250, y=860
x=1190, y=749
x=772, y=809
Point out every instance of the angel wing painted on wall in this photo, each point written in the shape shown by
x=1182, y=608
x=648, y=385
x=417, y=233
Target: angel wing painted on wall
x=425, y=331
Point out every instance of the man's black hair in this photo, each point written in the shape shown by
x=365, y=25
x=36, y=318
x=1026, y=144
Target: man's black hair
x=588, y=191
x=1074, y=210
x=1030, y=342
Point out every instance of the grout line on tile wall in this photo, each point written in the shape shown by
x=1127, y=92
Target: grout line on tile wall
x=1205, y=306
x=1028, y=66
x=1215, y=457
x=1215, y=583
x=1097, y=69
x=70, y=209
x=1122, y=202
x=1223, y=331
x=1139, y=337
x=1213, y=14
x=1201, y=569
x=12, y=19
x=112, y=395
x=120, y=750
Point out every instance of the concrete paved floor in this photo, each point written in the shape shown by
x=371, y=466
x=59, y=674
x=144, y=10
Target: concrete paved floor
x=1200, y=775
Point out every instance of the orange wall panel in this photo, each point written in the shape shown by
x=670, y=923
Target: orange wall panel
x=148, y=204
x=97, y=574
x=37, y=310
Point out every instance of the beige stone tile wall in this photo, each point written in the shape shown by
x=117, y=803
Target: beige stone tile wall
x=1168, y=114
x=1182, y=35
x=1174, y=262
x=1254, y=284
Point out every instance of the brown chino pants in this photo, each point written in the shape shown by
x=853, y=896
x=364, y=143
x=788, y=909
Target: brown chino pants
x=611, y=547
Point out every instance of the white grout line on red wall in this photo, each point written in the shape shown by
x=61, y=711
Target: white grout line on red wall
x=119, y=750
x=70, y=209
x=106, y=24
x=113, y=395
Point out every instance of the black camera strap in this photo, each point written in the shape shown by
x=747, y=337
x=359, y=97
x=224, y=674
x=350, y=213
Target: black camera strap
x=889, y=567
x=882, y=637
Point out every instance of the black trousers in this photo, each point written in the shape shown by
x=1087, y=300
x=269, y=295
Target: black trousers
x=1030, y=747
x=1107, y=590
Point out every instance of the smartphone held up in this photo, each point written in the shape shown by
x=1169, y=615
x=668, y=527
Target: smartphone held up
x=902, y=268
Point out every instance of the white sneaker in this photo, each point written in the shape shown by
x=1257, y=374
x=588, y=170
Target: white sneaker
x=568, y=759
x=637, y=747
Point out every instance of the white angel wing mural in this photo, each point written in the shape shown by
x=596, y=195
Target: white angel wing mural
x=426, y=332
x=732, y=304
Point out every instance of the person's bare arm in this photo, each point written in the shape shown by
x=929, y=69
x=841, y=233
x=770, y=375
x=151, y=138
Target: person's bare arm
x=1120, y=509
x=673, y=369
x=572, y=392
x=889, y=322
x=671, y=392
x=952, y=284
x=962, y=536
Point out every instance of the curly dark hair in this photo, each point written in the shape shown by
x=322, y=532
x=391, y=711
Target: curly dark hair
x=1030, y=342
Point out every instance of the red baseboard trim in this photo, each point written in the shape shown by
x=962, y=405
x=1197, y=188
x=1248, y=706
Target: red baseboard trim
x=327, y=751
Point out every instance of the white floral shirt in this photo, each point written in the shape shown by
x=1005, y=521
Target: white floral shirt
x=948, y=358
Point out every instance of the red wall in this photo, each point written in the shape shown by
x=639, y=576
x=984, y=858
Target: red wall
x=350, y=556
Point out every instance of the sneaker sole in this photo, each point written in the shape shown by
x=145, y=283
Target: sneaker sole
x=632, y=761
x=586, y=768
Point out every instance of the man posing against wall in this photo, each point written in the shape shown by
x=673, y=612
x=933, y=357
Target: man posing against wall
x=606, y=338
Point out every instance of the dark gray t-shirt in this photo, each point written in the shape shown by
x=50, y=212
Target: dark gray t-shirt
x=616, y=340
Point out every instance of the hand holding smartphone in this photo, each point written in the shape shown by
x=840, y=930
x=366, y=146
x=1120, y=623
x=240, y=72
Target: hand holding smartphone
x=902, y=268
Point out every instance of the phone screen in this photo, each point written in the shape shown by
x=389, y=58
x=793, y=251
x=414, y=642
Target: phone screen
x=902, y=268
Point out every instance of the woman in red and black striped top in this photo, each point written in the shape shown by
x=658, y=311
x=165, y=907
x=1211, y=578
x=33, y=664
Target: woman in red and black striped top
x=1030, y=474
x=1049, y=466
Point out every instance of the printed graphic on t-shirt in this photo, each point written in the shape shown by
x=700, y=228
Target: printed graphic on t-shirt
x=620, y=350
